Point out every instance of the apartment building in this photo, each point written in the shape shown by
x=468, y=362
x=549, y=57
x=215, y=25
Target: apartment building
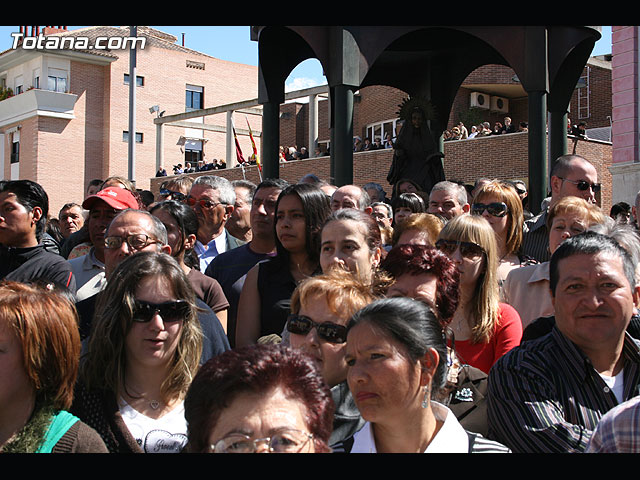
x=66, y=118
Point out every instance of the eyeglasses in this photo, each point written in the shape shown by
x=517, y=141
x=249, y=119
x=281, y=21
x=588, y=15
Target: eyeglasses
x=468, y=250
x=497, y=209
x=135, y=242
x=179, y=196
x=328, y=331
x=583, y=185
x=172, y=311
x=285, y=441
x=208, y=204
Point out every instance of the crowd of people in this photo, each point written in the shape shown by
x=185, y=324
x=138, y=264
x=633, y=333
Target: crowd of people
x=229, y=317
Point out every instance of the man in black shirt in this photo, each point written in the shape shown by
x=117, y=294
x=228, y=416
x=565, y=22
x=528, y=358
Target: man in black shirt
x=24, y=206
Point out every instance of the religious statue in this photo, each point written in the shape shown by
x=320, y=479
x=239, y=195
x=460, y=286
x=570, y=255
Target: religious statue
x=416, y=155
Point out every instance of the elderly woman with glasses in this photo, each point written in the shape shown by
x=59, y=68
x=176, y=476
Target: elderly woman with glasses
x=484, y=328
x=397, y=359
x=143, y=351
x=499, y=203
x=262, y=398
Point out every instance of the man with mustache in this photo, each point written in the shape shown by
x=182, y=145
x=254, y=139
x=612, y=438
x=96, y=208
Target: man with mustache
x=548, y=394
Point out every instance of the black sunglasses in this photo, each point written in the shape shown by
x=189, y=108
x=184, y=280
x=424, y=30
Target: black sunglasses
x=179, y=196
x=169, y=311
x=497, y=209
x=468, y=250
x=583, y=185
x=328, y=331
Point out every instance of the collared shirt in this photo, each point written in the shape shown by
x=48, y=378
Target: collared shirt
x=451, y=438
x=535, y=238
x=546, y=396
x=89, y=273
x=619, y=430
x=527, y=290
x=211, y=250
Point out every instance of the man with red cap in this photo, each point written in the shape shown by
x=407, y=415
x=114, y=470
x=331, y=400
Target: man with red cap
x=103, y=206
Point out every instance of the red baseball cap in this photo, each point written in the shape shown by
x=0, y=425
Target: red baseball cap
x=116, y=197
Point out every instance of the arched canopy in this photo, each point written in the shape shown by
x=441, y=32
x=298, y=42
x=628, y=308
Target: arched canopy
x=432, y=62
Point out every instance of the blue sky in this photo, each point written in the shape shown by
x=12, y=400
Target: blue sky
x=230, y=42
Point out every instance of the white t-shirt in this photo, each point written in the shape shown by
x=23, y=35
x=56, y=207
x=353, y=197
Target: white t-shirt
x=616, y=384
x=167, y=434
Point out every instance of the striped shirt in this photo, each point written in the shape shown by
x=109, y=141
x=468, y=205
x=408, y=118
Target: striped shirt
x=619, y=430
x=535, y=238
x=545, y=395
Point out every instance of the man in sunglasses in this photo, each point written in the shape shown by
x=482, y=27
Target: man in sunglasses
x=571, y=175
x=212, y=198
x=133, y=231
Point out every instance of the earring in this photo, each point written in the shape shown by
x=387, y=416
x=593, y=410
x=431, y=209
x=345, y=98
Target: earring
x=425, y=400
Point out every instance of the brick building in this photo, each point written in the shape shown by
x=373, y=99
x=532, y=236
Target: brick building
x=68, y=119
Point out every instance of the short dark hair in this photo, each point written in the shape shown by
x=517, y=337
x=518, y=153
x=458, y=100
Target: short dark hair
x=412, y=201
x=30, y=195
x=562, y=165
x=258, y=368
x=411, y=323
x=590, y=243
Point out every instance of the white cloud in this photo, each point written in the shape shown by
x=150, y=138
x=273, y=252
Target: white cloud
x=299, y=83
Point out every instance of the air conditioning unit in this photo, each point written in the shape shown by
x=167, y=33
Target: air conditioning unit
x=499, y=104
x=480, y=100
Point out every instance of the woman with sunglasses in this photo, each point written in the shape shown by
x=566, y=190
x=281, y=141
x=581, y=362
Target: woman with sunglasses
x=500, y=204
x=320, y=310
x=397, y=360
x=483, y=327
x=301, y=210
x=143, y=351
x=181, y=223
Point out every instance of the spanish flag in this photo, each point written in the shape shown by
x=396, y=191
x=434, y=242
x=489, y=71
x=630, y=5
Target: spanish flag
x=239, y=156
x=253, y=143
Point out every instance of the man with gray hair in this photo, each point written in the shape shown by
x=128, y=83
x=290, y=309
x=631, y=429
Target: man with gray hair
x=132, y=231
x=351, y=196
x=448, y=199
x=548, y=394
x=239, y=223
x=213, y=199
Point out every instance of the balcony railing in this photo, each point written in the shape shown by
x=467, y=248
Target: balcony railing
x=36, y=102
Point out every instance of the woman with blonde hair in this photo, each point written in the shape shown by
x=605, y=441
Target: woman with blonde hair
x=527, y=288
x=142, y=354
x=321, y=307
x=418, y=228
x=484, y=328
x=498, y=202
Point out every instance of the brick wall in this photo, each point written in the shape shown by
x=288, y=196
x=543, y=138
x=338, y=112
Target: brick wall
x=503, y=157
